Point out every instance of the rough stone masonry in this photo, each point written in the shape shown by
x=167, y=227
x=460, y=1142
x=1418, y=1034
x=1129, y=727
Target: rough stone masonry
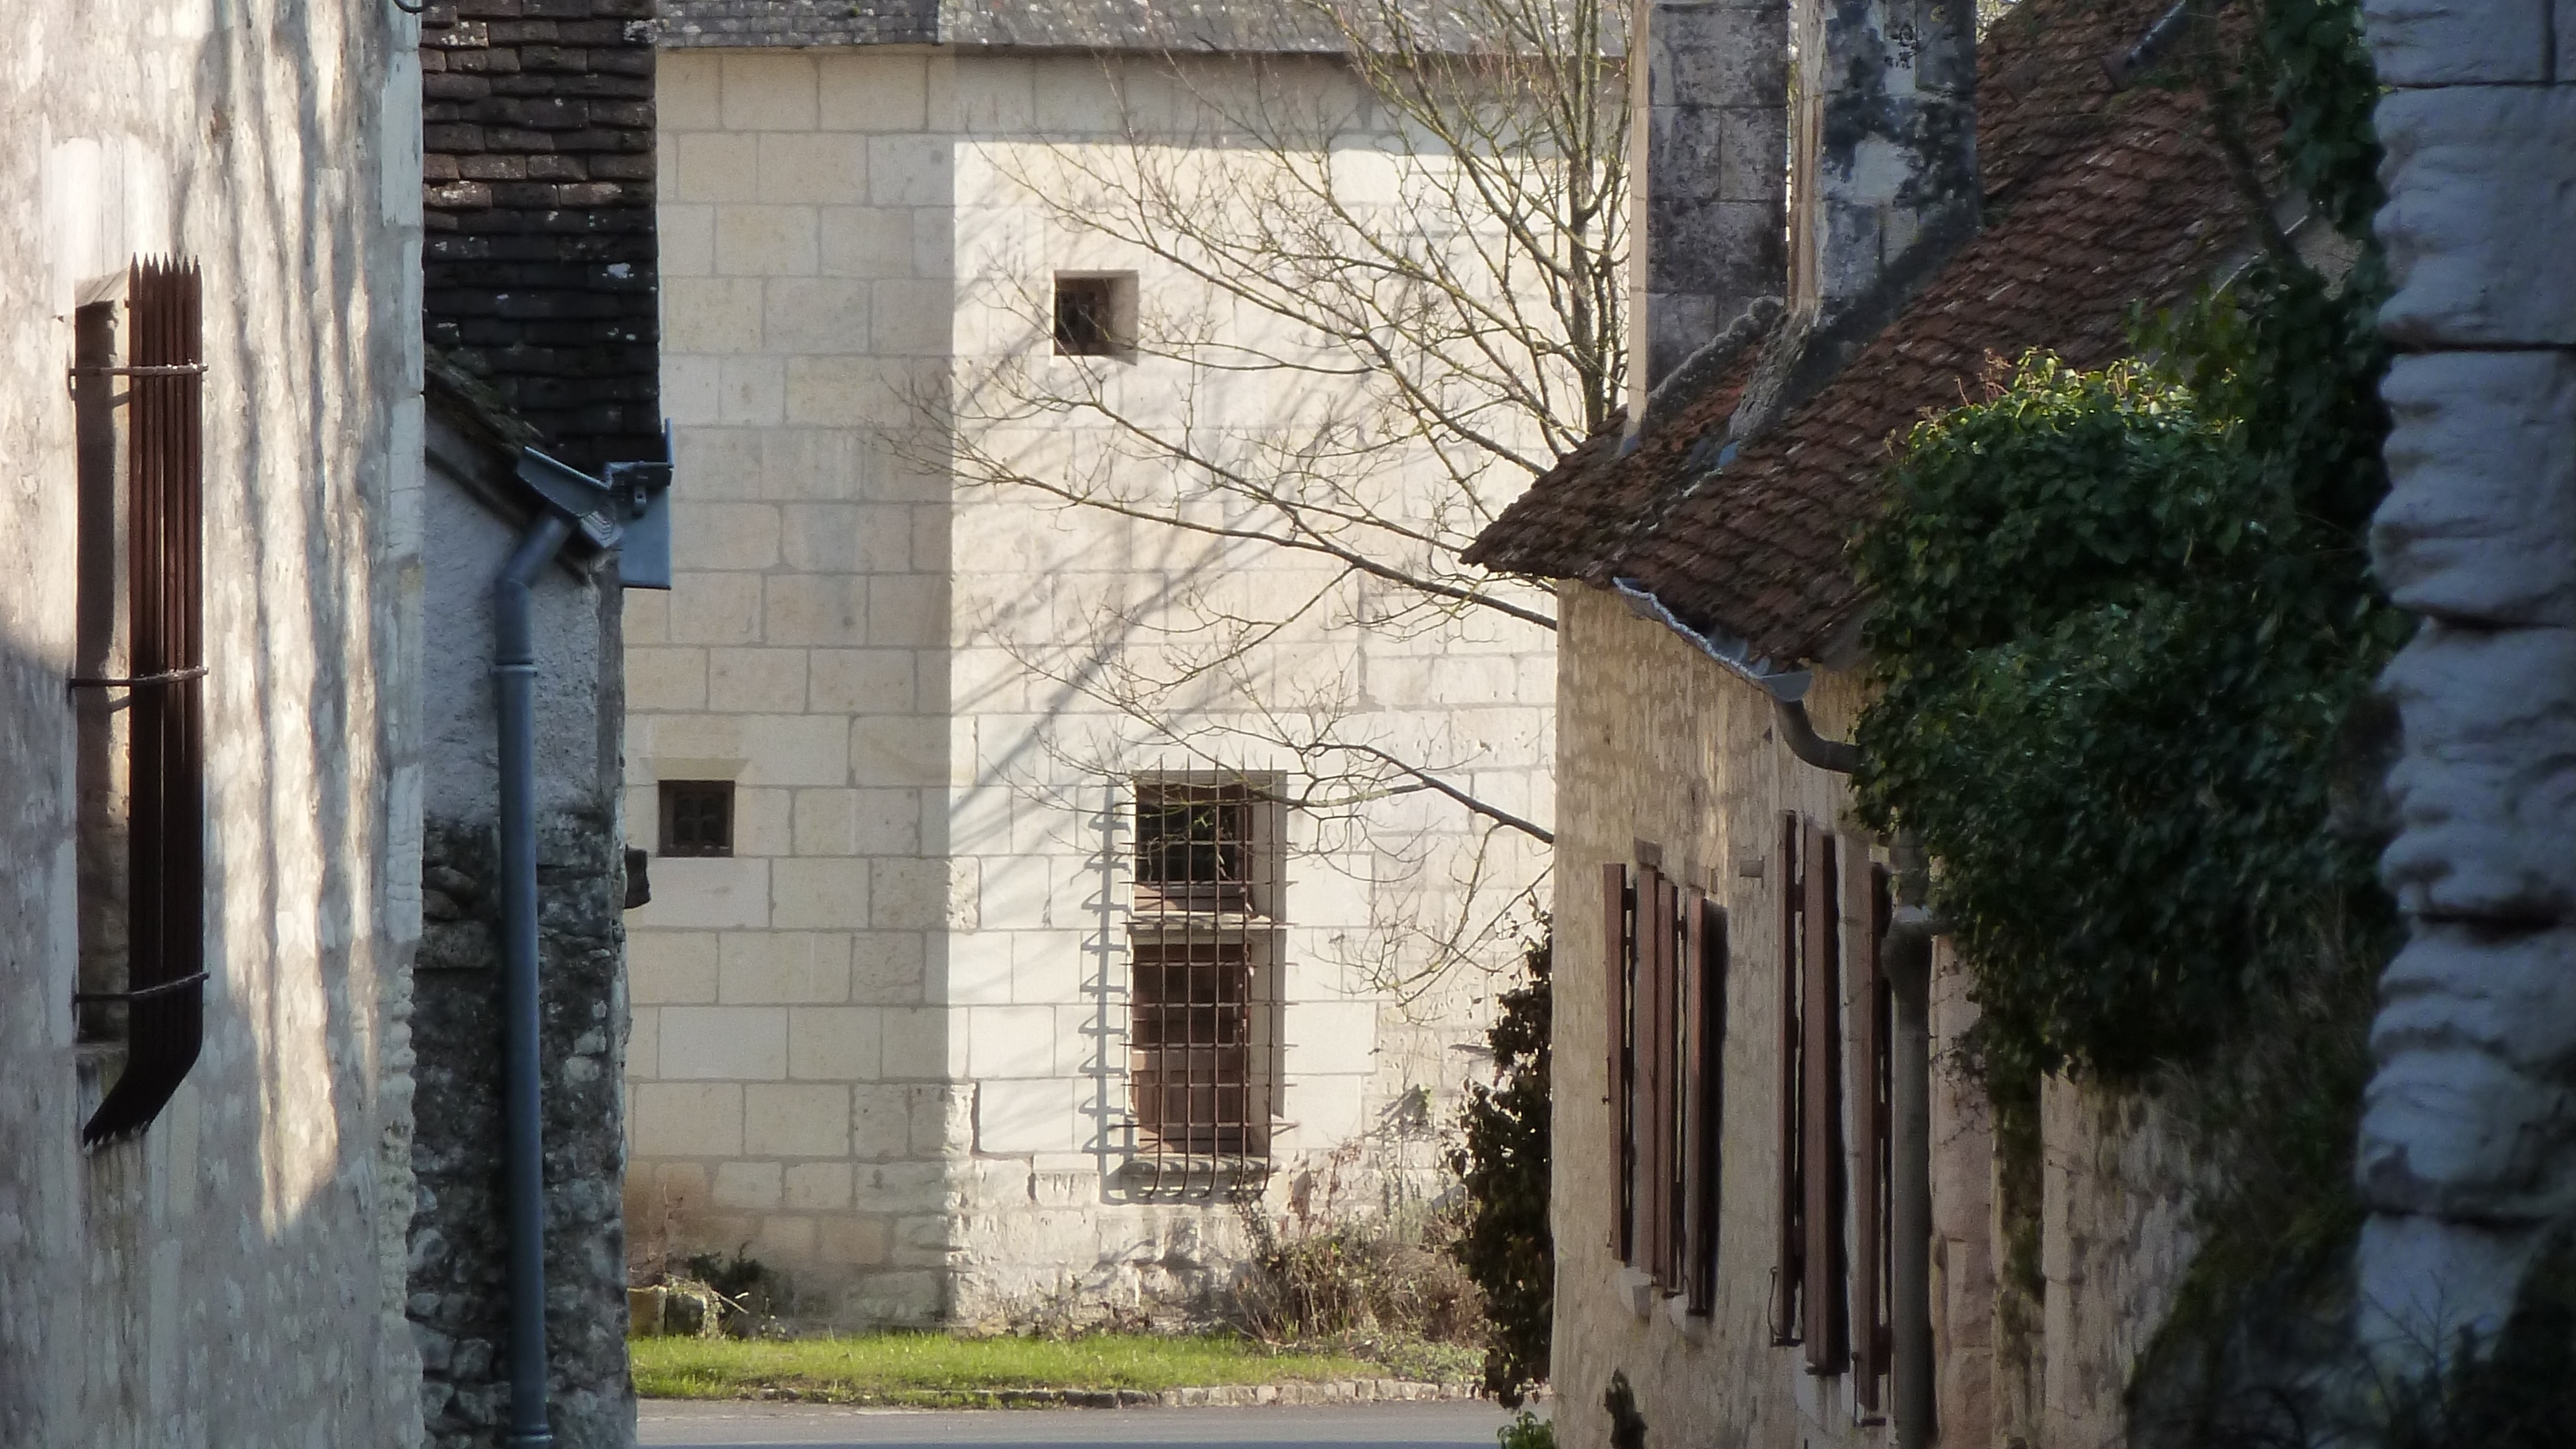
x=2468, y=1145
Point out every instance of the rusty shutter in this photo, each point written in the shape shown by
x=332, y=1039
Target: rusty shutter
x=1705, y=951
x=1824, y=1329
x=1789, y=1271
x=1864, y=884
x=1614, y=957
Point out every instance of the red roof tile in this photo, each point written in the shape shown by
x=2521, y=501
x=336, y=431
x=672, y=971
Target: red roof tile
x=2098, y=200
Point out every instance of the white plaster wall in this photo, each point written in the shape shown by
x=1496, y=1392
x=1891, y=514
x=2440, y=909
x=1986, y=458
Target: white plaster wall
x=235, y=1276
x=882, y=1044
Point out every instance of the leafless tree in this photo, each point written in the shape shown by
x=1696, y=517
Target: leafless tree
x=1420, y=242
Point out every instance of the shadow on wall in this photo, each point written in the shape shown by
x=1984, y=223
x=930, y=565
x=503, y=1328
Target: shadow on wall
x=167, y=1270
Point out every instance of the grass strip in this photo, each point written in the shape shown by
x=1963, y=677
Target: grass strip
x=934, y=1370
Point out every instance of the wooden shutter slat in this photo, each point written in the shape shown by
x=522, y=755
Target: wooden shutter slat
x=1668, y=1021
x=1654, y=1068
x=1705, y=951
x=1869, y=1123
x=1820, y=1130
x=1614, y=955
x=1788, y=1273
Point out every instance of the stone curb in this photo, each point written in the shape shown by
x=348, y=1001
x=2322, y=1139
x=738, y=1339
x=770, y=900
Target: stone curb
x=1327, y=1391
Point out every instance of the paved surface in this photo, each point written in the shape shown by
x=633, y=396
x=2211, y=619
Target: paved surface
x=685, y=1425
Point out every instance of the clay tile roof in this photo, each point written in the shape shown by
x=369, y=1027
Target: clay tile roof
x=2098, y=199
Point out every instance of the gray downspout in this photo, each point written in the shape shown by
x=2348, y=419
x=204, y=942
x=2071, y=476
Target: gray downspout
x=514, y=678
x=1908, y=963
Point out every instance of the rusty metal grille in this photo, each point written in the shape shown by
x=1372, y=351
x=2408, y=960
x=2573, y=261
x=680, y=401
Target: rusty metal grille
x=165, y=979
x=1200, y=1018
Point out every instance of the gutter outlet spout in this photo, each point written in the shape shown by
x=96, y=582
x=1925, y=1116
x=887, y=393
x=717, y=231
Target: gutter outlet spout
x=514, y=679
x=1799, y=733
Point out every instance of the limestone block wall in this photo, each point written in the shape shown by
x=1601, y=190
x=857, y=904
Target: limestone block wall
x=791, y=1066
x=235, y=1275
x=2465, y=1141
x=883, y=1044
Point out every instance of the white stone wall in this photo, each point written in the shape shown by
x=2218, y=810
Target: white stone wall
x=882, y=1044
x=235, y=1276
x=2468, y=1146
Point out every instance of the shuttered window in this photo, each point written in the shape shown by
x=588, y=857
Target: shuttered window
x=1872, y=1081
x=1664, y=948
x=141, y=662
x=1810, y=1306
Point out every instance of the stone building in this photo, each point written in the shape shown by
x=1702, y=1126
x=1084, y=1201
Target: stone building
x=479, y=508
x=539, y=319
x=208, y=1170
x=886, y=992
x=2464, y=1153
x=1773, y=1211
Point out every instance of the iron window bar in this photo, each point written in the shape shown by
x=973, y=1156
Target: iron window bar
x=144, y=993
x=137, y=681
x=1198, y=1002
x=166, y=865
x=172, y=369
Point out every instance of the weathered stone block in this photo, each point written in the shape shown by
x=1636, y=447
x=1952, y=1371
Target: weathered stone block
x=688, y=1119
x=2456, y=42
x=711, y=314
x=711, y=166
x=851, y=681
x=867, y=241
x=796, y=1120
x=825, y=894
x=2480, y=205
x=1025, y=1115
x=2486, y=793
x=768, y=91
x=833, y=1043
x=2480, y=520
x=1010, y=1041
x=765, y=241
x=817, y=315
x=672, y=967
x=868, y=92
x=824, y=609
x=736, y=1043
x=783, y=967
x=748, y=1186
x=768, y=680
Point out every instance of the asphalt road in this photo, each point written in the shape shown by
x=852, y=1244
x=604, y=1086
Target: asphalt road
x=684, y=1425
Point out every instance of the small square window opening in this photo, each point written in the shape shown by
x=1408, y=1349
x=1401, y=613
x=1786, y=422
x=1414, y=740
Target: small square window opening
x=1095, y=314
x=697, y=817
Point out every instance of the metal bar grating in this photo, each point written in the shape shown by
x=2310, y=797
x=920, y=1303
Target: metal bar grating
x=166, y=903
x=1199, y=998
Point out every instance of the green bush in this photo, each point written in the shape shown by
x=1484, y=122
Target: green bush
x=1505, y=1244
x=1526, y=1431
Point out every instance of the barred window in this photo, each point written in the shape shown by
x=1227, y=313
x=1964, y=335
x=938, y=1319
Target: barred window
x=697, y=817
x=139, y=662
x=1202, y=1022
